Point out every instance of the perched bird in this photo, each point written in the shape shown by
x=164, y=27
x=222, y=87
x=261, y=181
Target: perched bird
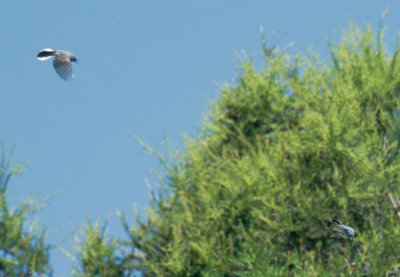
x=61, y=62
x=345, y=230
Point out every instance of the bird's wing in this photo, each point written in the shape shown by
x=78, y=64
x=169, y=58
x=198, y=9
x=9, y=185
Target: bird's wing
x=346, y=230
x=62, y=65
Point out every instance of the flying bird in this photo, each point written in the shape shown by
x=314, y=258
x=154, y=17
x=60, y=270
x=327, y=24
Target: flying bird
x=345, y=230
x=61, y=62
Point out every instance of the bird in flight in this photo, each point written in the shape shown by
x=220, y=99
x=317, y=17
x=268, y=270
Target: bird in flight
x=345, y=230
x=61, y=62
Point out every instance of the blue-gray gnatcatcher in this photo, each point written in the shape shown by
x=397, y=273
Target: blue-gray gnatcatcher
x=345, y=230
x=61, y=62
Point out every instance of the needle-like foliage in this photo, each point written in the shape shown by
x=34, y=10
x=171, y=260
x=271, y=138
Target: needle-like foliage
x=283, y=150
x=23, y=250
x=99, y=254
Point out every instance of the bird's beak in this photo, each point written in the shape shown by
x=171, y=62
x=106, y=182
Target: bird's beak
x=77, y=61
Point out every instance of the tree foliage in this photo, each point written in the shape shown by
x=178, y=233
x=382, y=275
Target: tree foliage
x=22, y=252
x=100, y=255
x=283, y=150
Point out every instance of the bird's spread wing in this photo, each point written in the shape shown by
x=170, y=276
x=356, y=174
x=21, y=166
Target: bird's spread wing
x=63, y=67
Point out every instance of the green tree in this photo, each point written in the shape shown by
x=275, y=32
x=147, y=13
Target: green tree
x=101, y=255
x=22, y=252
x=282, y=151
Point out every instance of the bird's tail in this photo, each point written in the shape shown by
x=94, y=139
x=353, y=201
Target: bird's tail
x=45, y=54
x=335, y=221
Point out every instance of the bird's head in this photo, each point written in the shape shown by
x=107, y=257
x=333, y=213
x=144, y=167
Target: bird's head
x=73, y=59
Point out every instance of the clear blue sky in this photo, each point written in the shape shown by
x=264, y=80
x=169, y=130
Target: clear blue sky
x=147, y=68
